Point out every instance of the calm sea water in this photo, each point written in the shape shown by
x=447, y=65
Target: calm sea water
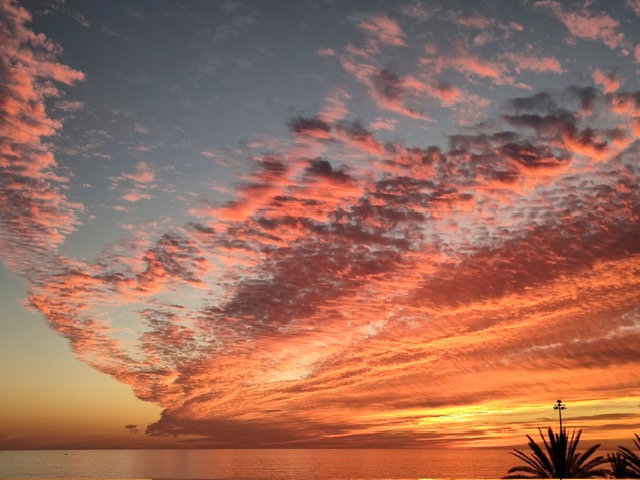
x=256, y=464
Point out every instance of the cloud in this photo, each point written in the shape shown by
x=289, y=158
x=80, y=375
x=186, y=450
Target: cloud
x=327, y=52
x=472, y=66
x=390, y=91
x=69, y=106
x=634, y=5
x=585, y=25
x=354, y=133
x=80, y=18
x=384, y=124
x=384, y=30
x=454, y=265
x=143, y=174
x=36, y=215
x=534, y=63
x=137, y=128
x=355, y=290
x=489, y=29
x=334, y=108
x=415, y=10
x=314, y=127
x=410, y=94
x=386, y=87
x=143, y=180
x=473, y=20
x=609, y=81
x=132, y=428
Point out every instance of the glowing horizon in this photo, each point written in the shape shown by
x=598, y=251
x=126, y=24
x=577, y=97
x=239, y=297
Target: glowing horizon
x=326, y=225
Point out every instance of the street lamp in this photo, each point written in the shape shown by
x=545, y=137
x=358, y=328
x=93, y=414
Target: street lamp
x=559, y=406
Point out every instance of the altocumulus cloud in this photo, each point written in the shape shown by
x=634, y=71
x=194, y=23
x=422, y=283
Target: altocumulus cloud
x=355, y=286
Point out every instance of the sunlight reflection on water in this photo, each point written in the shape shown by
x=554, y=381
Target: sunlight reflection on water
x=256, y=464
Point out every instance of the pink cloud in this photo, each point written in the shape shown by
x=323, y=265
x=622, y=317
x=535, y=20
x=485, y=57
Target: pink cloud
x=468, y=64
x=490, y=30
x=327, y=52
x=588, y=26
x=609, y=82
x=36, y=215
x=143, y=179
x=446, y=93
x=334, y=107
x=143, y=174
x=384, y=30
x=384, y=124
x=136, y=196
x=534, y=63
x=272, y=175
x=473, y=20
x=363, y=72
x=637, y=53
x=385, y=87
x=634, y=5
x=354, y=134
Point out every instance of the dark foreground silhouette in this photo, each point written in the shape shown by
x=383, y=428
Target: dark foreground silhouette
x=630, y=461
x=557, y=457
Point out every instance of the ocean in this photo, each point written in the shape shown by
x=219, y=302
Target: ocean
x=294, y=464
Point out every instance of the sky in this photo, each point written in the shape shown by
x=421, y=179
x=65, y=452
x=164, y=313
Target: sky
x=318, y=223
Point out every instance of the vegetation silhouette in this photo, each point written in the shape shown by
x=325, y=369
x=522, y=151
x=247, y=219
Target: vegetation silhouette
x=631, y=459
x=557, y=458
x=618, y=465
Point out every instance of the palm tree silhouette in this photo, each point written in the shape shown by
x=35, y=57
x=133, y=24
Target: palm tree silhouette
x=618, y=465
x=632, y=460
x=557, y=458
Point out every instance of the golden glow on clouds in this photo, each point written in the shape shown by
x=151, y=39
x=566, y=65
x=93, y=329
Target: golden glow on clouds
x=355, y=288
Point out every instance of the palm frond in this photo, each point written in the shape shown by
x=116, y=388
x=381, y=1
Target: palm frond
x=633, y=461
x=617, y=465
x=556, y=457
x=534, y=462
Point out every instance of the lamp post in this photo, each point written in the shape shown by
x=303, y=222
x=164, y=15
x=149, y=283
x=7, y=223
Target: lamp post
x=559, y=406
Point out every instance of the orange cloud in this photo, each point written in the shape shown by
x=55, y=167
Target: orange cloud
x=356, y=291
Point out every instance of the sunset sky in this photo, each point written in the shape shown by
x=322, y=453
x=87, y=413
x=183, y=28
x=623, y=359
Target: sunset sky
x=318, y=223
